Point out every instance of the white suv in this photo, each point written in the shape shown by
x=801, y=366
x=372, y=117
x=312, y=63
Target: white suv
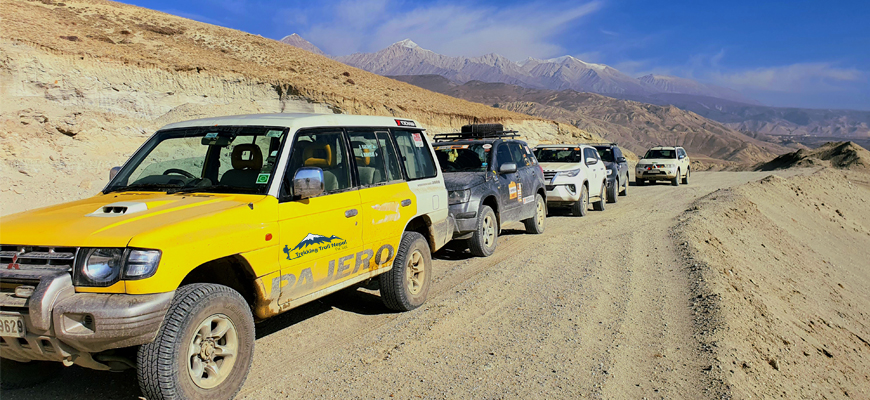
x=663, y=163
x=572, y=174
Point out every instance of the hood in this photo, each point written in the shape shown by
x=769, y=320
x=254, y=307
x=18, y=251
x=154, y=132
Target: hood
x=558, y=167
x=463, y=180
x=112, y=220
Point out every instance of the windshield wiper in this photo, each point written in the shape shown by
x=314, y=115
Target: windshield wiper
x=147, y=187
x=213, y=188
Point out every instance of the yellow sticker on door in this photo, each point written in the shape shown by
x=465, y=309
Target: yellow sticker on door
x=519, y=191
x=513, y=190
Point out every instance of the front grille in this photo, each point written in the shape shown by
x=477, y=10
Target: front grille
x=37, y=257
x=549, y=175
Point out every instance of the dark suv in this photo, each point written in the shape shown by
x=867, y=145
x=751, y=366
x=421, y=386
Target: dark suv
x=492, y=179
x=617, y=170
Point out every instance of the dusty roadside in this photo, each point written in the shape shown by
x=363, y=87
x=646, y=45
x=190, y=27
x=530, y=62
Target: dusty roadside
x=595, y=307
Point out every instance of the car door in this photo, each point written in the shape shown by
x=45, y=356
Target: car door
x=622, y=165
x=320, y=235
x=507, y=183
x=597, y=171
x=526, y=185
x=684, y=160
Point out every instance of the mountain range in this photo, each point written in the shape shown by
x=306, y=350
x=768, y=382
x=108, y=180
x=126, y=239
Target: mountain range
x=720, y=104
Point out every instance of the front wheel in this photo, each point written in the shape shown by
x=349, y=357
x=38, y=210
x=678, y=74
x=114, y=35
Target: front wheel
x=204, y=348
x=686, y=178
x=485, y=237
x=535, y=225
x=612, y=192
x=624, y=191
x=676, y=180
x=581, y=207
x=406, y=285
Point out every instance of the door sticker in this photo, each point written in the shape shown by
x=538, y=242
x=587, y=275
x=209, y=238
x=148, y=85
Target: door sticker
x=314, y=243
x=386, y=212
x=418, y=140
x=519, y=192
x=528, y=199
x=513, y=190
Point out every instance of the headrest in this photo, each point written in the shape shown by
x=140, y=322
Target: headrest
x=318, y=155
x=247, y=156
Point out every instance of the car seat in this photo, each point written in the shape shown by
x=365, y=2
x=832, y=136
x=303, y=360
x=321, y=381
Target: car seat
x=320, y=155
x=368, y=175
x=247, y=160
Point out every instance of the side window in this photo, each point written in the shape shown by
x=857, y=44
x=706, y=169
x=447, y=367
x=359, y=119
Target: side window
x=589, y=153
x=418, y=161
x=617, y=152
x=519, y=155
x=324, y=149
x=503, y=155
x=375, y=156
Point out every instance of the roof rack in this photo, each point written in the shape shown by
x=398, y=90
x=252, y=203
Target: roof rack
x=478, y=131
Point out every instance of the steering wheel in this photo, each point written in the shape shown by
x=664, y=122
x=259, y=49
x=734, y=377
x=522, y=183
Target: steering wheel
x=178, y=171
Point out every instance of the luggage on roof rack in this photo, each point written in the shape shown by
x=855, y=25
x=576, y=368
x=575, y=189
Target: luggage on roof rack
x=477, y=131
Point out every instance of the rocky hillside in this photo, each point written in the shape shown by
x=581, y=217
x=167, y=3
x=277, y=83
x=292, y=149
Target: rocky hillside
x=635, y=125
x=85, y=82
x=841, y=155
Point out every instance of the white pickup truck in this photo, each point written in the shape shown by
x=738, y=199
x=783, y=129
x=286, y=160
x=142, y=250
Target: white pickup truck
x=573, y=173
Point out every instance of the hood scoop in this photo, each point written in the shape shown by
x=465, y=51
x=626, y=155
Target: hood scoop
x=118, y=209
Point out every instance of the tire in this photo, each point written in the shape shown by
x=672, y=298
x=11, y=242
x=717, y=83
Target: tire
x=485, y=237
x=612, y=192
x=20, y=375
x=676, y=180
x=624, y=191
x=535, y=225
x=406, y=285
x=686, y=178
x=581, y=207
x=640, y=182
x=165, y=372
x=599, y=205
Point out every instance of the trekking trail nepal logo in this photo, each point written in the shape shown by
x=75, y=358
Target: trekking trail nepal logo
x=313, y=244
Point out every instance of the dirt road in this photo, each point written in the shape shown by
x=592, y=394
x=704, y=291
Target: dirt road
x=596, y=307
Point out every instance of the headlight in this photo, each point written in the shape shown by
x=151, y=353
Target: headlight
x=103, y=267
x=572, y=173
x=458, y=196
x=609, y=172
x=141, y=263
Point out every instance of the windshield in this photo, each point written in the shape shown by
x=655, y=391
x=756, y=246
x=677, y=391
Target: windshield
x=660, y=154
x=463, y=157
x=605, y=153
x=226, y=159
x=559, y=154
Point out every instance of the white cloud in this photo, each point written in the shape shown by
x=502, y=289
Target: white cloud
x=454, y=29
x=794, y=78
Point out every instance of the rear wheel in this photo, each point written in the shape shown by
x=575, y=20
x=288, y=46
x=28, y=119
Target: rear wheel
x=406, y=285
x=485, y=237
x=613, y=191
x=19, y=375
x=204, y=348
x=676, y=180
x=535, y=225
x=581, y=206
x=599, y=205
x=686, y=178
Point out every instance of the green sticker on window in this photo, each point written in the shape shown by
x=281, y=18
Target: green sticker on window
x=274, y=134
x=262, y=179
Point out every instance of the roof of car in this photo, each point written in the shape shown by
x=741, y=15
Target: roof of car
x=298, y=121
x=665, y=148
x=550, y=146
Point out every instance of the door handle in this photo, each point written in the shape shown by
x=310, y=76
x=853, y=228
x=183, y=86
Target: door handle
x=406, y=202
x=351, y=213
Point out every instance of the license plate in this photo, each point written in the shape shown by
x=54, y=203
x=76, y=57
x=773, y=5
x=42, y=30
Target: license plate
x=12, y=325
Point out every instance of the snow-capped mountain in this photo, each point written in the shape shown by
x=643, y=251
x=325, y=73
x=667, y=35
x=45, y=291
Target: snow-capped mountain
x=673, y=84
x=298, y=41
x=312, y=239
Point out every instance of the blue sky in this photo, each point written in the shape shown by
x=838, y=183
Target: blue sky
x=797, y=53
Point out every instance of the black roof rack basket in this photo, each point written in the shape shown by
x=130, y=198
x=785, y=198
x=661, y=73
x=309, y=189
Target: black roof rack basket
x=478, y=131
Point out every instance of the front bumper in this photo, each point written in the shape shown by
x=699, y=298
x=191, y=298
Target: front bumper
x=563, y=190
x=656, y=174
x=465, y=217
x=62, y=325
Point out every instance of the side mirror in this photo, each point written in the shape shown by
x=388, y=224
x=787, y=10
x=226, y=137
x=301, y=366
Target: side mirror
x=308, y=182
x=682, y=157
x=620, y=159
x=508, y=168
x=591, y=161
x=114, y=172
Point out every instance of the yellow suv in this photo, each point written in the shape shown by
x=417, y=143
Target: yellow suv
x=211, y=225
